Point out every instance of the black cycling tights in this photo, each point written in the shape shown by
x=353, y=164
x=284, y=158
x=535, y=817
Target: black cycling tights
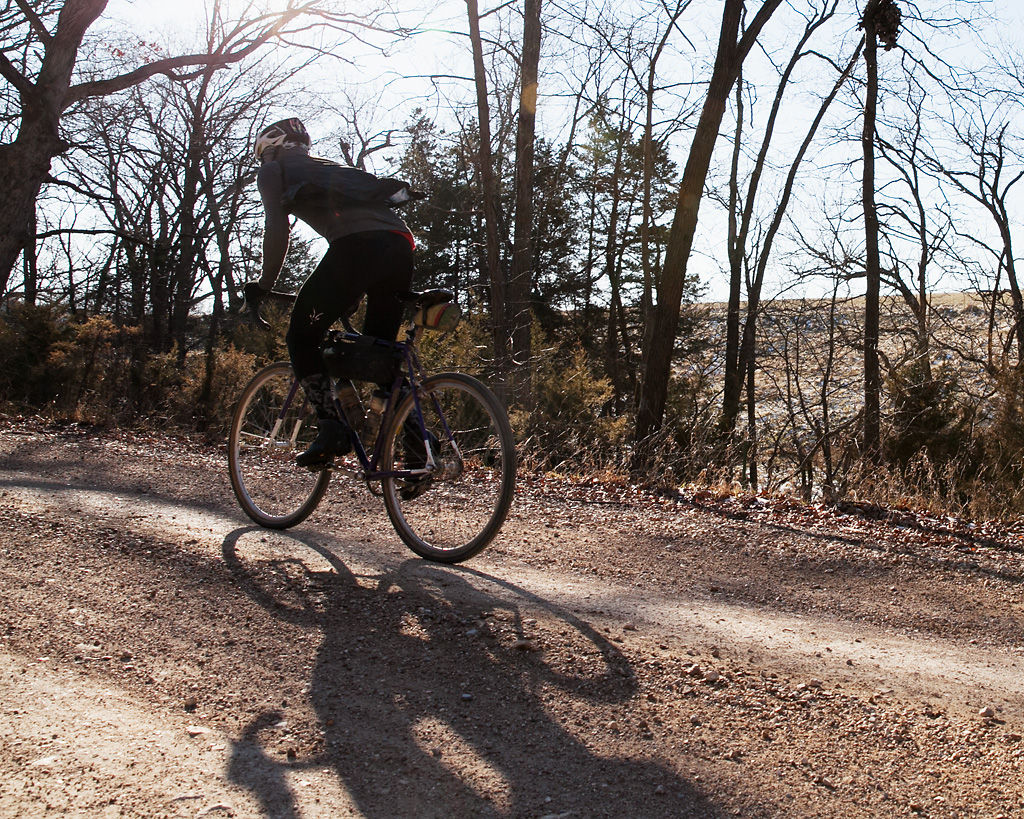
x=377, y=264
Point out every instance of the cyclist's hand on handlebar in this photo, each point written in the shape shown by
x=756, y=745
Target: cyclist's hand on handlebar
x=254, y=293
x=254, y=297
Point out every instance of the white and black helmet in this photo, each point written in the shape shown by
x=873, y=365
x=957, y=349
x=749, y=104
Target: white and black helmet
x=285, y=130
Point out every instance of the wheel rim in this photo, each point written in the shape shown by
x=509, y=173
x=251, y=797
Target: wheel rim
x=263, y=444
x=467, y=499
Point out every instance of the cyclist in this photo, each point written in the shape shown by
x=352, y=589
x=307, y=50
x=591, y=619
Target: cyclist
x=370, y=254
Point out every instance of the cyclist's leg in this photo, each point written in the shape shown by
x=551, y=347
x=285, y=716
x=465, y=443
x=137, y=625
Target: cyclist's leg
x=329, y=292
x=387, y=261
x=391, y=256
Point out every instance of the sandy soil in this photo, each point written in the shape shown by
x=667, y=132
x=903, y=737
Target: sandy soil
x=613, y=653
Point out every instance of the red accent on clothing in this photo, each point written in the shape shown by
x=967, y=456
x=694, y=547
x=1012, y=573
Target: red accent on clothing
x=408, y=237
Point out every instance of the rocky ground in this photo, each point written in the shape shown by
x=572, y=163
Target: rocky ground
x=613, y=653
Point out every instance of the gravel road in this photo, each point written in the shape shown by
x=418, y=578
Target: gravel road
x=613, y=653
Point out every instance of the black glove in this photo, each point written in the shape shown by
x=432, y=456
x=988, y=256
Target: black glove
x=254, y=293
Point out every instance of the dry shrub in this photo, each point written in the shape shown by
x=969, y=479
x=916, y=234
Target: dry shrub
x=688, y=448
x=956, y=460
x=27, y=335
x=68, y=369
x=93, y=365
x=189, y=397
x=265, y=346
x=466, y=349
x=569, y=428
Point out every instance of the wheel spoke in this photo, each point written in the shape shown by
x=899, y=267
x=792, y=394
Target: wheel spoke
x=270, y=424
x=456, y=510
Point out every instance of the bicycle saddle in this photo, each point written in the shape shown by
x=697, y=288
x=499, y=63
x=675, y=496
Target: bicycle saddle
x=427, y=298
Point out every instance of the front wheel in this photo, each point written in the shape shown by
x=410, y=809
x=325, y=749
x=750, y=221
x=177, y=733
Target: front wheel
x=273, y=422
x=455, y=509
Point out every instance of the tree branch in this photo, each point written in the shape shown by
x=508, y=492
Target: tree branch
x=750, y=36
x=170, y=64
x=35, y=21
x=14, y=77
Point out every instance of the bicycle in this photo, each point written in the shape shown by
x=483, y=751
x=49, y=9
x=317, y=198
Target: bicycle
x=443, y=461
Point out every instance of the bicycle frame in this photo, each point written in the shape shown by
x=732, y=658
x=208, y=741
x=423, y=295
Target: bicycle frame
x=411, y=374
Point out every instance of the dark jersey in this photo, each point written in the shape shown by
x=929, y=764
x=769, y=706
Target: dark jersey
x=286, y=186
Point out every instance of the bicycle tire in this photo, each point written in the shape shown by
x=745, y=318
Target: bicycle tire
x=463, y=505
x=270, y=487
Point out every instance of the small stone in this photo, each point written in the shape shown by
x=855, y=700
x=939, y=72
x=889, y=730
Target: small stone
x=524, y=645
x=712, y=677
x=988, y=712
x=190, y=704
x=43, y=762
x=629, y=627
x=196, y=730
x=467, y=697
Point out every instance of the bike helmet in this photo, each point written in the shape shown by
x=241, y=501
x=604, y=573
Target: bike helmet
x=282, y=131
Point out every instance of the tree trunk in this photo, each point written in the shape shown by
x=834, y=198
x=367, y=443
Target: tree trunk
x=489, y=185
x=661, y=332
x=751, y=449
x=872, y=263
x=520, y=279
x=185, y=265
x=30, y=261
x=647, y=215
x=612, y=361
x=24, y=166
x=733, y=378
x=25, y=163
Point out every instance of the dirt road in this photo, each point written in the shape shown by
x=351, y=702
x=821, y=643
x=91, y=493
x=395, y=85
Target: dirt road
x=614, y=653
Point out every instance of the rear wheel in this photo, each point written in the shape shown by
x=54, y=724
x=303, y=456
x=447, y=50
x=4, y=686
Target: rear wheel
x=273, y=422
x=455, y=510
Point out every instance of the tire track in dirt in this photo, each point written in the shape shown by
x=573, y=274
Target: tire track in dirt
x=582, y=664
x=856, y=655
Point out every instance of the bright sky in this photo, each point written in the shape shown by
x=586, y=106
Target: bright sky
x=424, y=56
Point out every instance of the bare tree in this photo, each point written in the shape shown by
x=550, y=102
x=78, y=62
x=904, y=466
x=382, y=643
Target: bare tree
x=519, y=311
x=881, y=23
x=988, y=176
x=489, y=189
x=737, y=355
x=47, y=86
x=659, y=342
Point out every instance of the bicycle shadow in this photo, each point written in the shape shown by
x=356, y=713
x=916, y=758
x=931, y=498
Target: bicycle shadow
x=406, y=737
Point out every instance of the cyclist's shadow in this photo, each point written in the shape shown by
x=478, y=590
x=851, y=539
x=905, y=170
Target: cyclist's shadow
x=407, y=737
